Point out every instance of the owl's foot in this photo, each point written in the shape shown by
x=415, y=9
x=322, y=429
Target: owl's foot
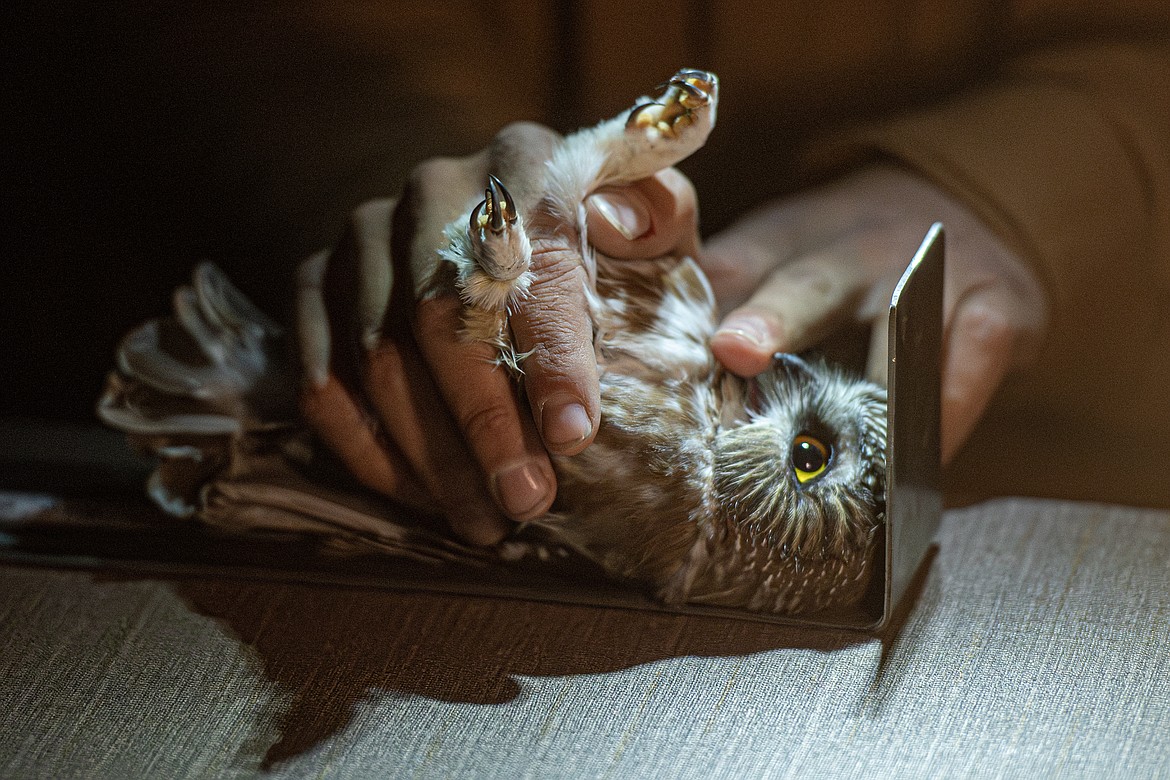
x=491, y=256
x=491, y=252
x=491, y=328
x=498, y=239
x=656, y=133
x=686, y=98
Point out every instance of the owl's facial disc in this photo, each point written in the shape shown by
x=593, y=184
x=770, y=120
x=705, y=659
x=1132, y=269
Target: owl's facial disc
x=745, y=399
x=793, y=400
x=793, y=366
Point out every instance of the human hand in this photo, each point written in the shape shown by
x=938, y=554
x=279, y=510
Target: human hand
x=424, y=417
x=792, y=271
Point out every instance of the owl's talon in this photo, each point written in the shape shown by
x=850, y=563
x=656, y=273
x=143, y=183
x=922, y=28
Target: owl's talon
x=492, y=257
x=493, y=253
x=692, y=91
x=500, y=204
x=638, y=117
x=673, y=109
x=699, y=79
x=496, y=212
x=478, y=219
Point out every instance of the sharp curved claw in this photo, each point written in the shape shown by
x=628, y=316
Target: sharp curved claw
x=503, y=207
x=475, y=223
x=636, y=110
x=690, y=89
x=702, y=76
x=495, y=219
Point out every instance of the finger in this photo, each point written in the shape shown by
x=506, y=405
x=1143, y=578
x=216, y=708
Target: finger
x=738, y=260
x=332, y=414
x=483, y=401
x=342, y=296
x=793, y=309
x=312, y=320
x=978, y=353
x=851, y=209
x=553, y=325
x=650, y=218
x=401, y=394
x=370, y=225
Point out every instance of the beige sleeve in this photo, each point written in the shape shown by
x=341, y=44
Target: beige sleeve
x=1068, y=158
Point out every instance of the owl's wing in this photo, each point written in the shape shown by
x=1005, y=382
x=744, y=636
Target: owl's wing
x=210, y=392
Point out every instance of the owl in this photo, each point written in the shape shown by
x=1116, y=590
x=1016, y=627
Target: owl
x=701, y=487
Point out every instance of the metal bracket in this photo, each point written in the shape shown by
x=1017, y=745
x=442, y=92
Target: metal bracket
x=913, y=452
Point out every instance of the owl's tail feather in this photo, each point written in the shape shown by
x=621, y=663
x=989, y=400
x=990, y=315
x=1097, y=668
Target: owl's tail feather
x=210, y=391
x=213, y=369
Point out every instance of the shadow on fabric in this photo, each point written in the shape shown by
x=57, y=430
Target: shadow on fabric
x=329, y=647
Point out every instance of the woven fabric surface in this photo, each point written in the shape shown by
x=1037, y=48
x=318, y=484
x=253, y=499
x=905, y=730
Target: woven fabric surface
x=1039, y=646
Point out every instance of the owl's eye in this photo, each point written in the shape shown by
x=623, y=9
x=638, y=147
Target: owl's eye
x=809, y=458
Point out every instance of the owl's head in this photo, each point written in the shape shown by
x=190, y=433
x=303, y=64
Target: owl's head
x=800, y=470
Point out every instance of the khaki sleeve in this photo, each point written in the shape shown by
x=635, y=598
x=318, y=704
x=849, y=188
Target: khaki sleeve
x=1067, y=157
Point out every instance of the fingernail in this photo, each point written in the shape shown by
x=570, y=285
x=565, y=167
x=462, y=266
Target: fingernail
x=521, y=490
x=564, y=425
x=750, y=328
x=626, y=217
x=482, y=528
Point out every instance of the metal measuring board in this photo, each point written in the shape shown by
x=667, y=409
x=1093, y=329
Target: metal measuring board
x=913, y=451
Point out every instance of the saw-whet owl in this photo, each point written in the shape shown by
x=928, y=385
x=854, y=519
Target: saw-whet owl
x=766, y=494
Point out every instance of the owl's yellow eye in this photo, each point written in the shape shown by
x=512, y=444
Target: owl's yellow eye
x=809, y=458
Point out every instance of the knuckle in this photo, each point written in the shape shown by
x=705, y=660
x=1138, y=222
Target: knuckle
x=555, y=266
x=985, y=323
x=557, y=341
x=551, y=368
x=488, y=423
x=525, y=132
x=430, y=179
x=554, y=341
x=559, y=371
x=372, y=211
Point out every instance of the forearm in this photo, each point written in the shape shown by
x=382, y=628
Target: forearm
x=1068, y=160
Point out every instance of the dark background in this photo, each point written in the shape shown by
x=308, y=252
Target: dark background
x=146, y=137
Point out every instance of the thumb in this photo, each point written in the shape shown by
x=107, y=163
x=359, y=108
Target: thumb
x=797, y=305
x=649, y=218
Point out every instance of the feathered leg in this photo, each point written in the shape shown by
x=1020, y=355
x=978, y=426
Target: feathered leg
x=491, y=251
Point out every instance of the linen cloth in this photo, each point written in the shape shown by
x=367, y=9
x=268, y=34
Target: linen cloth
x=1039, y=646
